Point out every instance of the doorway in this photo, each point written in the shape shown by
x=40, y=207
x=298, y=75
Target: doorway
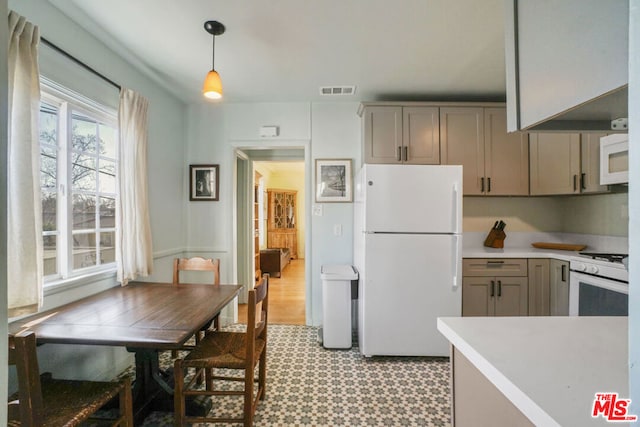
x=282, y=173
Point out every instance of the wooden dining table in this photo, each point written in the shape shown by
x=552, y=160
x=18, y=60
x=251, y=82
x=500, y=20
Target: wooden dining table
x=144, y=317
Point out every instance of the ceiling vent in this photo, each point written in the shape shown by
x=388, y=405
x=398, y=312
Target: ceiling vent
x=337, y=90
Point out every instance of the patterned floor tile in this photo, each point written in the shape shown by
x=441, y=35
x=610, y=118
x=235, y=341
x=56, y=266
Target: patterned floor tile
x=308, y=385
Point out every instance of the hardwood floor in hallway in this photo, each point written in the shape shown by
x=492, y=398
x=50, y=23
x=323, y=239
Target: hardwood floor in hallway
x=286, y=297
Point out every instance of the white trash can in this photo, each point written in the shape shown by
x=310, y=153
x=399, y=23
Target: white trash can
x=336, y=304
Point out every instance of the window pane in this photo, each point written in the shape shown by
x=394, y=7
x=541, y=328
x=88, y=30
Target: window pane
x=50, y=255
x=84, y=250
x=49, y=211
x=83, y=172
x=107, y=176
x=107, y=141
x=83, y=136
x=107, y=212
x=107, y=247
x=48, y=167
x=48, y=123
x=84, y=212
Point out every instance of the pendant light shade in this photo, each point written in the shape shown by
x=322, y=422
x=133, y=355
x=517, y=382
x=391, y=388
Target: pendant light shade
x=212, y=87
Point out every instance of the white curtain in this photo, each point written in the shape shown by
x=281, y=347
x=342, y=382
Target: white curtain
x=134, y=252
x=24, y=228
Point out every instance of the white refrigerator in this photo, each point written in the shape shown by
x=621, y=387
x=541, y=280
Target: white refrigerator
x=408, y=252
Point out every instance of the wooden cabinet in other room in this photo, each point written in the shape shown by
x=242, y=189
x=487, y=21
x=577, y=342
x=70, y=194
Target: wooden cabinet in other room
x=494, y=163
x=565, y=163
x=494, y=287
x=559, y=288
x=282, y=230
x=401, y=135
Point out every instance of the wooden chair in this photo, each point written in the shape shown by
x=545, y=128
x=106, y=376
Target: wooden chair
x=197, y=264
x=44, y=401
x=228, y=350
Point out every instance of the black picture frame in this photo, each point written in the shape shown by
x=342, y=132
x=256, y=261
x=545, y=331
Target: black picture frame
x=204, y=183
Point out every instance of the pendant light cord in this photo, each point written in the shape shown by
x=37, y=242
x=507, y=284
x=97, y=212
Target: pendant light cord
x=213, y=54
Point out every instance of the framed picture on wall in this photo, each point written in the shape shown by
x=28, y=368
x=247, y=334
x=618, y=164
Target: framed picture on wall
x=333, y=180
x=204, y=182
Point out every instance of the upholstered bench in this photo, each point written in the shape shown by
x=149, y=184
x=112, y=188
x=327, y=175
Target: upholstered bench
x=274, y=260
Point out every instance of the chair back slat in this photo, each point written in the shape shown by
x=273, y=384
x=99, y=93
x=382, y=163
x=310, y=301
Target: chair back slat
x=257, y=311
x=196, y=264
x=22, y=354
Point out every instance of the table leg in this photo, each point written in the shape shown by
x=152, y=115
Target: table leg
x=153, y=388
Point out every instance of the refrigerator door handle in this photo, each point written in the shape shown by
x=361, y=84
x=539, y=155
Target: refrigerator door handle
x=454, y=211
x=457, y=261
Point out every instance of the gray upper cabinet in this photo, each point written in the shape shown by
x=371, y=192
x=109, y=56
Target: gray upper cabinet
x=566, y=63
x=565, y=163
x=494, y=163
x=401, y=135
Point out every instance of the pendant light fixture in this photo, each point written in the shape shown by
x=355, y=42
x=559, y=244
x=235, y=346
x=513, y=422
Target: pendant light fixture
x=212, y=87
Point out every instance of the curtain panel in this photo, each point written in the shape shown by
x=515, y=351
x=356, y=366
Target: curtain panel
x=134, y=251
x=24, y=228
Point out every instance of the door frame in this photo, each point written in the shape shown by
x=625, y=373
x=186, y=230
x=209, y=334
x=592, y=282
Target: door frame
x=243, y=238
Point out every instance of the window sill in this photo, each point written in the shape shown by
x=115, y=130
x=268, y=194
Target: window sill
x=62, y=285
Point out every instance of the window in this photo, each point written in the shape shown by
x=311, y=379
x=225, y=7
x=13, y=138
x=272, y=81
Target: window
x=78, y=177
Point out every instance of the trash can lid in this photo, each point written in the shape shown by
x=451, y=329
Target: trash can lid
x=338, y=272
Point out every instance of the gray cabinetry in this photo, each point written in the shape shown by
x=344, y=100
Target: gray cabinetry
x=559, y=288
x=494, y=163
x=401, y=135
x=565, y=163
x=494, y=287
x=539, y=287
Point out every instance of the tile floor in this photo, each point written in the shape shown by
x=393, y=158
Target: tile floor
x=308, y=385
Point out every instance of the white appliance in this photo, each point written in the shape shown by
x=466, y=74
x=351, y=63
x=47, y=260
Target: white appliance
x=614, y=159
x=598, y=285
x=408, y=252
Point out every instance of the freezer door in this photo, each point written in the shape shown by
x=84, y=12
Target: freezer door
x=409, y=281
x=412, y=198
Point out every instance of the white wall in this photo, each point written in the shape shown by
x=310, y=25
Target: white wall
x=634, y=205
x=4, y=112
x=166, y=168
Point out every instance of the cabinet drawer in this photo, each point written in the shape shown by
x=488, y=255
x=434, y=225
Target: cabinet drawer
x=494, y=267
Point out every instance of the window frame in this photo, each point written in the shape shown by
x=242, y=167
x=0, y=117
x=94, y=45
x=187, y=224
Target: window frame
x=67, y=103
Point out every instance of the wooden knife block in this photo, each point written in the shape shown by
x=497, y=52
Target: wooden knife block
x=495, y=239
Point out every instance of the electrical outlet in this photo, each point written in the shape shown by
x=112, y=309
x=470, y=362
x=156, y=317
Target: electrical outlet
x=317, y=210
x=337, y=230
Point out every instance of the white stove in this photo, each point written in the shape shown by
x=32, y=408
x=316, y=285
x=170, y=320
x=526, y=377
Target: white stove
x=598, y=285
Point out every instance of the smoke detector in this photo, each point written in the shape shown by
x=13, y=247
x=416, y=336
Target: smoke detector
x=337, y=90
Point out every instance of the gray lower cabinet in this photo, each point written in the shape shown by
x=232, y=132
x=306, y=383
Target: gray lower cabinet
x=559, y=288
x=494, y=287
x=539, y=298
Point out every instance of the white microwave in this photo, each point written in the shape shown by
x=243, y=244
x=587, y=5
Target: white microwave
x=614, y=159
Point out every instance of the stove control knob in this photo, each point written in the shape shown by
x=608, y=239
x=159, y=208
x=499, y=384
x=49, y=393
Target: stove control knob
x=581, y=267
x=592, y=269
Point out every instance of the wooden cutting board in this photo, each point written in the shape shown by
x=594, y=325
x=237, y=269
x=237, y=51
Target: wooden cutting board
x=560, y=246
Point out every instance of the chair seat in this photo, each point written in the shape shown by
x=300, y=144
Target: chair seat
x=222, y=350
x=69, y=402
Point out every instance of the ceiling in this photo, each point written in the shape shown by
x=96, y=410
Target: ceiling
x=284, y=50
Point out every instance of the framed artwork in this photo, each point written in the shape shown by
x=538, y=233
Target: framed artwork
x=204, y=182
x=333, y=180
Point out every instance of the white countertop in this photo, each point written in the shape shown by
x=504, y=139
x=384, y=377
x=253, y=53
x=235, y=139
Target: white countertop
x=549, y=367
x=516, y=252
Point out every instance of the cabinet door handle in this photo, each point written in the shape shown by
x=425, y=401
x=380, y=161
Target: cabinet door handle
x=482, y=184
x=563, y=274
x=575, y=180
x=493, y=287
x=495, y=262
x=583, y=178
x=499, y=288
x=399, y=154
x=406, y=153
x=489, y=185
